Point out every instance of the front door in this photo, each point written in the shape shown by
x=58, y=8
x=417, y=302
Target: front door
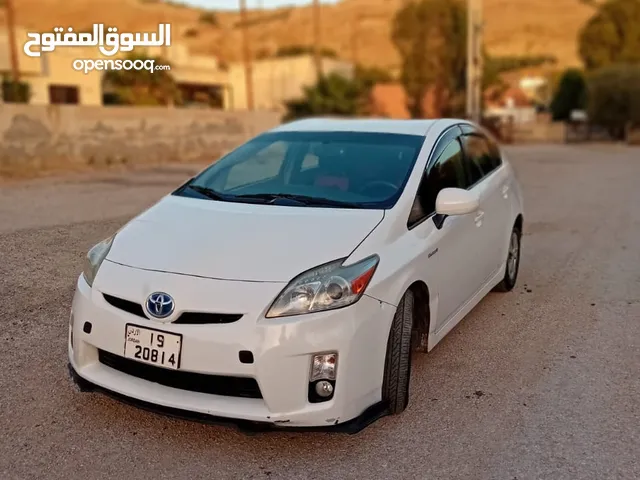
x=449, y=262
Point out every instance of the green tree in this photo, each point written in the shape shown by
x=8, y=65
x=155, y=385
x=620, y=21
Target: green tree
x=142, y=87
x=335, y=94
x=332, y=95
x=612, y=35
x=571, y=94
x=614, y=98
x=431, y=38
x=366, y=78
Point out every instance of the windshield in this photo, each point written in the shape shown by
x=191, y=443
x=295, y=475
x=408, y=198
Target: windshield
x=348, y=169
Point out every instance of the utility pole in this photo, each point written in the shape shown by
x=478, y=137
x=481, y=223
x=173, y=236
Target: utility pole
x=355, y=34
x=474, y=60
x=246, y=53
x=317, y=40
x=13, y=53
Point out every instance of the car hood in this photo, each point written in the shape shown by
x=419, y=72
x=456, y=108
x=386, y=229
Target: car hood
x=237, y=241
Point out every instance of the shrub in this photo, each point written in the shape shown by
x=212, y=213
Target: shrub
x=297, y=50
x=15, y=92
x=209, y=18
x=511, y=63
x=335, y=94
x=570, y=95
x=191, y=33
x=614, y=98
x=332, y=95
x=141, y=87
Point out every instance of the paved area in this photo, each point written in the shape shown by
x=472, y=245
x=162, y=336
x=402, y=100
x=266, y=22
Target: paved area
x=541, y=383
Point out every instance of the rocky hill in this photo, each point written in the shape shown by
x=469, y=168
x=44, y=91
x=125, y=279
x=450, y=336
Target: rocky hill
x=353, y=28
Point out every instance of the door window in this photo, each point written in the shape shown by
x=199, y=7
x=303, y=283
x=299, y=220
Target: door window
x=447, y=172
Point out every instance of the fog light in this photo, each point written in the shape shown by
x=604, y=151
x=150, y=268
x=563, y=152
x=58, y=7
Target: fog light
x=324, y=389
x=323, y=367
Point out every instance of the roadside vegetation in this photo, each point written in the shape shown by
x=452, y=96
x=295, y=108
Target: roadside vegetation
x=608, y=88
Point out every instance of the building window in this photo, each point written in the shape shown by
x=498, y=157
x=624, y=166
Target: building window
x=205, y=95
x=63, y=95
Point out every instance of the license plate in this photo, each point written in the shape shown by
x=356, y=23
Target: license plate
x=154, y=347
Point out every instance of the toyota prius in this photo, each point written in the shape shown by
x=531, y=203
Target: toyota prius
x=288, y=283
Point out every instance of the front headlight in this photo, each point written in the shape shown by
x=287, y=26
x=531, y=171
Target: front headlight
x=326, y=287
x=94, y=259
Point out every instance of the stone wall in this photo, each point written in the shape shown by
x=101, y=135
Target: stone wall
x=539, y=132
x=38, y=137
x=633, y=136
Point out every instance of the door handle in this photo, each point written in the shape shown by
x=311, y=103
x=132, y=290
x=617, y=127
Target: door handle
x=479, y=217
x=505, y=191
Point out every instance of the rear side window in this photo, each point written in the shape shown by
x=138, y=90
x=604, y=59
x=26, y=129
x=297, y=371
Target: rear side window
x=482, y=156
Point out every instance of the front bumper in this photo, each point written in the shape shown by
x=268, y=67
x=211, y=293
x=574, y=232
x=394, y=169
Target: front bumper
x=366, y=418
x=282, y=351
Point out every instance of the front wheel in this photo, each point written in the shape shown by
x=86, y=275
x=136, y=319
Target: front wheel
x=397, y=367
x=513, y=262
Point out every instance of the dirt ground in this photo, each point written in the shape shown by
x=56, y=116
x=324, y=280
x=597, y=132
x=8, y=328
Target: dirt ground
x=542, y=382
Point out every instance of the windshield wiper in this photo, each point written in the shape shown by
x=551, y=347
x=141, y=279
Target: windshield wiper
x=207, y=192
x=304, y=199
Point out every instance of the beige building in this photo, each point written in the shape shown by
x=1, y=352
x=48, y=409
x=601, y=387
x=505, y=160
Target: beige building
x=276, y=80
x=197, y=75
x=201, y=79
x=51, y=76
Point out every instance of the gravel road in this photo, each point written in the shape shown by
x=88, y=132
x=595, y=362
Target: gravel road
x=541, y=383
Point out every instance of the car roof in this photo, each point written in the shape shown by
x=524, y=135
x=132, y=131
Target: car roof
x=328, y=124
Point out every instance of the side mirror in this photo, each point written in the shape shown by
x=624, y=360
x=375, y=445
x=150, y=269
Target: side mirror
x=456, y=201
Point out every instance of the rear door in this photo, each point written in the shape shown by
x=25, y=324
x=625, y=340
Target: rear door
x=488, y=178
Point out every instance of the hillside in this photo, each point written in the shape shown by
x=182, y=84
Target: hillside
x=513, y=27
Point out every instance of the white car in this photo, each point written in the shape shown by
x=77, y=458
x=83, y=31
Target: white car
x=288, y=282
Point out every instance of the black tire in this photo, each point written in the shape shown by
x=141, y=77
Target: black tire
x=511, y=272
x=397, y=367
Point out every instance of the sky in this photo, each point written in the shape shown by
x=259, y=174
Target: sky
x=233, y=4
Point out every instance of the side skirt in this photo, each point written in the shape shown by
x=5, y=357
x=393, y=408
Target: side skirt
x=436, y=337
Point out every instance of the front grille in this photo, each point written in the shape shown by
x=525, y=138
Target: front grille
x=194, y=382
x=122, y=304
x=187, y=318
x=203, y=318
